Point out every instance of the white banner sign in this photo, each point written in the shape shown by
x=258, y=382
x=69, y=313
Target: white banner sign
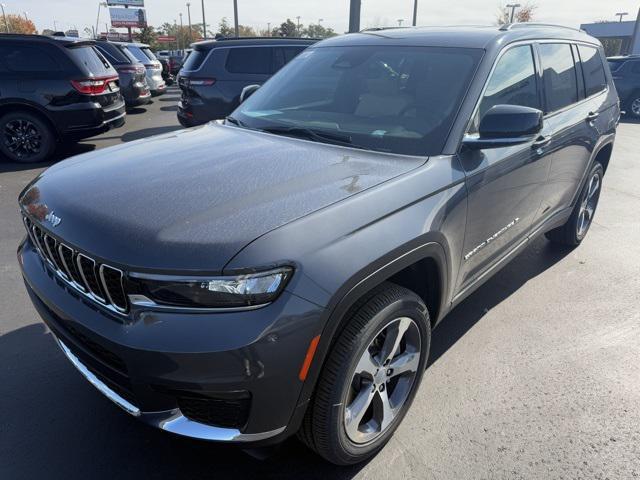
x=130, y=3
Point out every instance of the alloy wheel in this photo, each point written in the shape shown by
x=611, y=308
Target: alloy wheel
x=635, y=107
x=588, y=206
x=382, y=380
x=22, y=138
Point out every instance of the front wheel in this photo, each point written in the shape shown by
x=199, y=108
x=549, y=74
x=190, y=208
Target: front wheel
x=575, y=229
x=370, y=378
x=634, y=105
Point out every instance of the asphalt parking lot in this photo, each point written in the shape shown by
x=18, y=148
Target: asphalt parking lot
x=536, y=375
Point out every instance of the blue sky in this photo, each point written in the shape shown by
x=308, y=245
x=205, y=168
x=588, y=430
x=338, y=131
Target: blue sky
x=256, y=13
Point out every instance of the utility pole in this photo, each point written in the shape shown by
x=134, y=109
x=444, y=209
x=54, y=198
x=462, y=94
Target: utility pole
x=298, y=26
x=175, y=29
x=621, y=14
x=415, y=12
x=204, y=23
x=269, y=28
x=513, y=7
x=181, y=32
x=354, y=16
x=4, y=15
x=235, y=17
x=189, y=17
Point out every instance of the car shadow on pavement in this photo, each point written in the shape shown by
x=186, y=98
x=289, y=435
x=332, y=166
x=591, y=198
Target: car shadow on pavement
x=65, y=150
x=56, y=425
x=148, y=132
x=535, y=259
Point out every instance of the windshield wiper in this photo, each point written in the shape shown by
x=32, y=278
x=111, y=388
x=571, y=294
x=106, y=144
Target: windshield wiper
x=318, y=136
x=235, y=121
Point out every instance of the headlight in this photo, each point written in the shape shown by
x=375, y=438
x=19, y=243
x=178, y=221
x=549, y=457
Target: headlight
x=214, y=292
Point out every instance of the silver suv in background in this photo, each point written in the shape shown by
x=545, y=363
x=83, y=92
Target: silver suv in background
x=142, y=53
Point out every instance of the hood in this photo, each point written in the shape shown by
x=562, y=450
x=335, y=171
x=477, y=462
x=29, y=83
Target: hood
x=191, y=199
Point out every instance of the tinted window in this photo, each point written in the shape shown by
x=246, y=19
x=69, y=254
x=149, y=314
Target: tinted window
x=252, y=60
x=560, y=81
x=147, y=51
x=195, y=59
x=393, y=99
x=137, y=54
x=113, y=54
x=513, y=82
x=283, y=55
x=23, y=58
x=592, y=69
x=615, y=64
x=91, y=59
x=635, y=68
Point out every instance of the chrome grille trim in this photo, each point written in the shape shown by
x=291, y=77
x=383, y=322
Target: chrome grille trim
x=107, y=290
x=92, y=291
x=54, y=253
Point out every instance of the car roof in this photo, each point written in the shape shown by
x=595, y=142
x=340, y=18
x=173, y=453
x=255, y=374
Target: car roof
x=71, y=41
x=465, y=36
x=244, y=41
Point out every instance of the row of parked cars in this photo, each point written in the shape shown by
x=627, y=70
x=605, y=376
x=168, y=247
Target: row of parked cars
x=57, y=89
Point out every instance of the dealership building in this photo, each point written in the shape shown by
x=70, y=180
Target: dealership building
x=626, y=33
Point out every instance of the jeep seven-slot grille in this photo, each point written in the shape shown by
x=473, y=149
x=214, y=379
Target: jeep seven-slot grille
x=99, y=282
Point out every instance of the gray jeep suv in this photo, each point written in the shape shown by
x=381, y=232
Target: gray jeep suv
x=282, y=273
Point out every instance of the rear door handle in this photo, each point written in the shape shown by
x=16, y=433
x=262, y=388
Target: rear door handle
x=592, y=116
x=541, y=141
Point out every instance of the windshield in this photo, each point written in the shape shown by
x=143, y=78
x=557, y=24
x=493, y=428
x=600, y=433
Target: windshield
x=615, y=64
x=393, y=99
x=138, y=54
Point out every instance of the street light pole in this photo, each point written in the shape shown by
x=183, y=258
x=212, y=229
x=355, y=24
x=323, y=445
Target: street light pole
x=4, y=15
x=513, y=7
x=269, y=28
x=26, y=17
x=204, y=23
x=298, y=26
x=235, y=17
x=621, y=14
x=189, y=17
x=415, y=12
x=400, y=20
x=181, y=31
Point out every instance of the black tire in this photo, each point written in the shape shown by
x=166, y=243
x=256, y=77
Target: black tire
x=572, y=232
x=324, y=429
x=633, y=103
x=42, y=139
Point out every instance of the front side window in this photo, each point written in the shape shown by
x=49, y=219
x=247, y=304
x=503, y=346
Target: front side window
x=559, y=75
x=592, y=69
x=513, y=82
x=387, y=98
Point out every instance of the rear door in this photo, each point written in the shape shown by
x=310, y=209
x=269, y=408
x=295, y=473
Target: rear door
x=575, y=95
x=505, y=185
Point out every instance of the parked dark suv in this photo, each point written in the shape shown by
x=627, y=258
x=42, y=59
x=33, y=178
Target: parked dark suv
x=132, y=72
x=216, y=71
x=52, y=90
x=626, y=76
x=282, y=272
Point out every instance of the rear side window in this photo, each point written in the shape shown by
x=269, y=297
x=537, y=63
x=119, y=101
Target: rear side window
x=195, y=59
x=559, y=74
x=251, y=60
x=592, y=69
x=138, y=54
x=92, y=60
x=513, y=82
x=24, y=58
x=147, y=51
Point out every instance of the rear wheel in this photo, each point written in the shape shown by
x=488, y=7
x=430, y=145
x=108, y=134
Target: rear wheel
x=576, y=228
x=25, y=138
x=370, y=378
x=633, y=105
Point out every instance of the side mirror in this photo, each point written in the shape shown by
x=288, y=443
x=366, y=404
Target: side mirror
x=248, y=91
x=505, y=125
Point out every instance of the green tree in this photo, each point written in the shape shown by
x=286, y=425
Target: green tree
x=149, y=36
x=286, y=29
x=225, y=29
x=318, y=31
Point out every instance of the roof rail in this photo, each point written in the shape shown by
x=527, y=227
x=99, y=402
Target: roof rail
x=511, y=26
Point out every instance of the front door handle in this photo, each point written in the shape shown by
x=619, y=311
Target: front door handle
x=541, y=142
x=592, y=116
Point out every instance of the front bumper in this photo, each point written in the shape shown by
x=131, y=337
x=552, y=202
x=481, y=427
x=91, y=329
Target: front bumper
x=151, y=361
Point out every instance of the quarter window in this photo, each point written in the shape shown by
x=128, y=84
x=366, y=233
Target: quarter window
x=592, y=69
x=513, y=82
x=559, y=74
x=23, y=58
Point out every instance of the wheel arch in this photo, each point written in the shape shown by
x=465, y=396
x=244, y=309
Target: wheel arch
x=11, y=105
